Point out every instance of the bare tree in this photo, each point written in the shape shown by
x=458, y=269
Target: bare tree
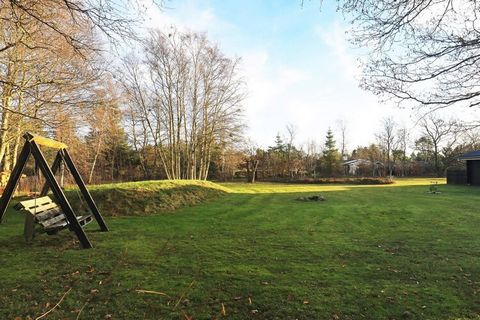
x=103, y=122
x=252, y=160
x=423, y=52
x=116, y=19
x=291, y=133
x=403, y=138
x=41, y=77
x=342, y=130
x=186, y=99
x=311, y=157
x=438, y=131
x=387, y=139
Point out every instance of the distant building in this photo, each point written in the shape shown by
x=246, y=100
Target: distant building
x=472, y=172
x=351, y=167
x=362, y=167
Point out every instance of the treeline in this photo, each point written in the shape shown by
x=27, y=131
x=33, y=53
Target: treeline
x=429, y=149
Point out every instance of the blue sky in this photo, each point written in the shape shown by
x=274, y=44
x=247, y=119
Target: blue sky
x=297, y=63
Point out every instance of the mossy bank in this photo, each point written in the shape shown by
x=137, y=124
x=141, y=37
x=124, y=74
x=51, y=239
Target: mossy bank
x=148, y=197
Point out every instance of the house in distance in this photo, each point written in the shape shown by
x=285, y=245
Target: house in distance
x=469, y=176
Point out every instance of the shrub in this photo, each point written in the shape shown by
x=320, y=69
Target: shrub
x=360, y=181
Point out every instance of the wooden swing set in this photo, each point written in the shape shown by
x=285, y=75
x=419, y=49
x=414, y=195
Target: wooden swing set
x=43, y=213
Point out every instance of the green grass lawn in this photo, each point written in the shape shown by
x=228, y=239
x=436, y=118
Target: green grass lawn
x=368, y=252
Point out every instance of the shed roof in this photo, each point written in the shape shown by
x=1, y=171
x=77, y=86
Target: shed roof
x=355, y=161
x=473, y=155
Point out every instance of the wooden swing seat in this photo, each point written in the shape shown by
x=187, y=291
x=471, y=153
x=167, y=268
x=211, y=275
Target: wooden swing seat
x=43, y=211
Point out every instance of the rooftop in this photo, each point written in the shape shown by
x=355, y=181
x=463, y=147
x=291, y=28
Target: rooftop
x=473, y=155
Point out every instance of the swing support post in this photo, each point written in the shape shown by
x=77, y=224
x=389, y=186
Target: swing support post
x=55, y=167
x=63, y=155
x=83, y=189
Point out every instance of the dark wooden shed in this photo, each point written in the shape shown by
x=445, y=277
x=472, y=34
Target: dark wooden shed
x=473, y=167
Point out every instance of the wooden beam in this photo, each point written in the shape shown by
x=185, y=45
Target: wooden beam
x=83, y=189
x=46, y=142
x=55, y=167
x=59, y=195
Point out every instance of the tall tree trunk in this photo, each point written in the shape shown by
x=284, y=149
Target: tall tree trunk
x=435, y=160
x=16, y=146
x=7, y=162
x=252, y=173
x=95, y=157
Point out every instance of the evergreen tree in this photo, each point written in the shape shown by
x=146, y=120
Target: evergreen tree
x=277, y=157
x=331, y=156
x=279, y=145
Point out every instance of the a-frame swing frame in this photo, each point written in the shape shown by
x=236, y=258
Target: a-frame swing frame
x=31, y=146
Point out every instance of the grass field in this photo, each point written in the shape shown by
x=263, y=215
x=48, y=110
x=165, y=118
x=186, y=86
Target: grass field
x=368, y=252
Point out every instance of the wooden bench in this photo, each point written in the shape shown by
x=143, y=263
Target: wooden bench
x=46, y=213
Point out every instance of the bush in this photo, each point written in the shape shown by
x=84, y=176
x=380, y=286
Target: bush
x=360, y=181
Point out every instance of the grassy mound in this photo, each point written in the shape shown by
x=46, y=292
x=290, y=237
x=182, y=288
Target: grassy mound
x=148, y=197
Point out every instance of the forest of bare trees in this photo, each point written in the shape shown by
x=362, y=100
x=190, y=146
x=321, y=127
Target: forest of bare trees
x=184, y=100
x=164, y=115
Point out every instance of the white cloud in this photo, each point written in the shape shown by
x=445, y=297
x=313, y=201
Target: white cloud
x=188, y=16
x=311, y=94
x=281, y=93
x=334, y=38
x=269, y=87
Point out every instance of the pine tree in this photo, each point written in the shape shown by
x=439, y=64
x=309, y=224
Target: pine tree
x=331, y=156
x=279, y=145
